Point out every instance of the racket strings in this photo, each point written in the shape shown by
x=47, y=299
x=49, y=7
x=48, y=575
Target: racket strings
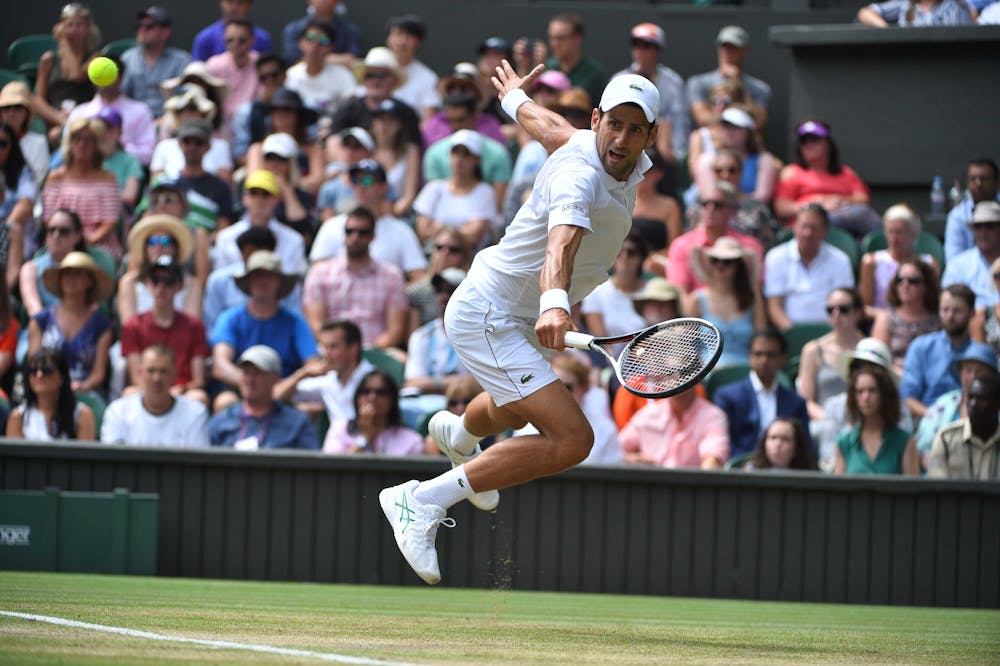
x=668, y=358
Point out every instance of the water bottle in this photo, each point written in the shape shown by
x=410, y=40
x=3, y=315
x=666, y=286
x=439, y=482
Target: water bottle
x=937, y=196
x=955, y=194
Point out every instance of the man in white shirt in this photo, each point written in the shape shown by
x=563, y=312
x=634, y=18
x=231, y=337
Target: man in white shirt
x=406, y=34
x=155, y=417
x=322, y=84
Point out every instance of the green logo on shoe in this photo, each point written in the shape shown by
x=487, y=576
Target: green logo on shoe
x=405, y=514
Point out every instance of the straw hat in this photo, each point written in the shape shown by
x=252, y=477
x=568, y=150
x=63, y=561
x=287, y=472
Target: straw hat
x=379, y=57
x=657, y=289
x=15, y=93
x=265, y=260
x=191, y=94
x=159, y=224
x=725, y=247
x=103, y=285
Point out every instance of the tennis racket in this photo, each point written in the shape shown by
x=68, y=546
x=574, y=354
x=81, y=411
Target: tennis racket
x=662, y=360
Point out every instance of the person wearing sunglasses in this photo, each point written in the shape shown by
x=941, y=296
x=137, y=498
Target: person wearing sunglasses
x=62, y=234
x=152, y=59
x=348, y=44
x=18, y=196
x=16, y=110
x=250, y=123
x=323, y=84
x=49, y=411
x=913, y=299
x=288, y=114
x=758, y=167
x=377, y=427
x=153, y=237
x=190, y=102
x=237, y=67
x=211, y=40
x=819, y=375
x=449, y=249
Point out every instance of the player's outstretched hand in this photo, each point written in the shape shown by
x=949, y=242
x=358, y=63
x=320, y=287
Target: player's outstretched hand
x=507, y=79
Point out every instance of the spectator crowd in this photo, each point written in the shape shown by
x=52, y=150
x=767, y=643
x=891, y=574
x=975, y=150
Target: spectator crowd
x=251, y=244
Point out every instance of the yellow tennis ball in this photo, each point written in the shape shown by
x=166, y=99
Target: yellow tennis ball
x=102, y=71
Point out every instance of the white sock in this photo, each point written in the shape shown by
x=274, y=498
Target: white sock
x=446, y=490
x=462, y=440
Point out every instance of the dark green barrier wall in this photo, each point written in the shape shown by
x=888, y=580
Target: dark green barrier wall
x=311, y=517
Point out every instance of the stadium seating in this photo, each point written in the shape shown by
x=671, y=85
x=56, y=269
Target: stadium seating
x=97, y=405
x=117, y=47
x=24, y=53
x=797, y=336
x=8, y=75
x=385, y=362
x=927, y=243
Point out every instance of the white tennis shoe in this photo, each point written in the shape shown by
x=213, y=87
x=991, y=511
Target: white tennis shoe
x=415, y=526
x=440, y=427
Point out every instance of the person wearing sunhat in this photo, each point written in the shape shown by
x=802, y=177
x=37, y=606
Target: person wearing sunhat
x=462, y=82
x=196, y=73
x=733, y=44
x=76, y=325
x=15, y=110
x=288, y=114
x=156, y=236
x=189, y=102
x=379, y=75
x=262, y=320
x=972, y=267
x=152, y=60
x=258, y=421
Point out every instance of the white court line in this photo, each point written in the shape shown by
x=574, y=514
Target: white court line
x=230, y=645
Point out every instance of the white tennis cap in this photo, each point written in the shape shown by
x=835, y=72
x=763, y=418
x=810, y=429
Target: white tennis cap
x=631, y=89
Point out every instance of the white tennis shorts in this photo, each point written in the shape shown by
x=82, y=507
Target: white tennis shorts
x=501, y=351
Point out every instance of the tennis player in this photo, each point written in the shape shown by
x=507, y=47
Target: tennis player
x=514, y=308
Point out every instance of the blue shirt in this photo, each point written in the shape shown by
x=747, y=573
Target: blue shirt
x=971, y=269
x=221, y=293
x=142, y=83
x=211, y=41
x=286, y=333
x=948, y=12
x=347, y=38
x=957, y=231
x=928, y=371
x=284, y=428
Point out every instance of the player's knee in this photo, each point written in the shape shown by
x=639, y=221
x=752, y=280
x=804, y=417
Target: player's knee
x=574, y=447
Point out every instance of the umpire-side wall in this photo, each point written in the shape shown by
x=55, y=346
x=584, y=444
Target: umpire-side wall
x=310, y=517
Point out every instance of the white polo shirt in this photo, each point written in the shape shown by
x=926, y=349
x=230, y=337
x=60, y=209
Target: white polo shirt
x=803, y=287
x=395, y=243
x=572, y=188
x=290, y=247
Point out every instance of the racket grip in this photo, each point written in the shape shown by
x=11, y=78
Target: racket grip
x=578, y=340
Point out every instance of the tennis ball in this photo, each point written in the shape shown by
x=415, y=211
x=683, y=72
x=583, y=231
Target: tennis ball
x=102, y=71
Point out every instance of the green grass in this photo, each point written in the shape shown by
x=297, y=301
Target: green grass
x=442, y=625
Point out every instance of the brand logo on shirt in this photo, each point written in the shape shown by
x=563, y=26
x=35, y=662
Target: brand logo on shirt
x=461, y=484
x=573, y=206
x=526, y=378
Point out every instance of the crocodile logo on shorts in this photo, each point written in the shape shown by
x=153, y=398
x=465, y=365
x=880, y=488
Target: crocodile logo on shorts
x=527, y=378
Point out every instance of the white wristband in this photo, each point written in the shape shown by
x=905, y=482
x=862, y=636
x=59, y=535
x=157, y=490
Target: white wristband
x=553, y=298
x=512, y=101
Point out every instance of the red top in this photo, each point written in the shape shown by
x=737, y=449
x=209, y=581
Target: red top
x=803, y=185
x=186, y=337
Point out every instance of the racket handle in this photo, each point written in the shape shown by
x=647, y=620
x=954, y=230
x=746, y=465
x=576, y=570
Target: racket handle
x=578, y=340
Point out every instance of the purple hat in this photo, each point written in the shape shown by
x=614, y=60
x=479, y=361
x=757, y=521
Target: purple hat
x=110, y=116
x=813, y=128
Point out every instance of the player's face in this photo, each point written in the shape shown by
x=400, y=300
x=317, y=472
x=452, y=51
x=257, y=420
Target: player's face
x=622, y=134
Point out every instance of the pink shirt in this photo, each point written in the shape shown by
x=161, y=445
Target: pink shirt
x=96, y=201
x=363, y=296
x=700, y=432
x=241, y=84
x=398, y=441
x=679, y=256
x=803, y=185
x=138, y=127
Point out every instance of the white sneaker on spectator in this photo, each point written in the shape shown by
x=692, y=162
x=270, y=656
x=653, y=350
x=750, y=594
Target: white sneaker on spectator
x=415, y=527
x=440, y=428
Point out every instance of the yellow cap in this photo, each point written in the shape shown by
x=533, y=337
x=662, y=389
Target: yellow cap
x=262, y=179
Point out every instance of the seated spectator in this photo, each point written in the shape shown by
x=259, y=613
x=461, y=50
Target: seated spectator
x=968, y=449
x=75, y=325
x=296, y=207
x=565, y=37
x=739, y=135
x=418, y=87
x=457, y=90
x=168, y=197
x=684, y=430
x=491, y=52
x=63, y=234
x=753, y=217
x=719, y=204
x=346, y=44
x=458, y=396
x=9, y=330
x=431, y=361
x=354, y=286
x=153, y=237
x=288, y=114
x=819, y=377
x=261, y=196
x=397, y=154
x=876, y=445
x=783, y=446
x=818, y=176
x=656, y=216
x=972, y=267
x=377, y=425
x=733, y=45
x=799, y=274
x=17, y=198
x=607, y=311
x=61, y=81
x=731, y=297
x=151, y=60
x=928, y=367
x=211, y=40
x=126, y=168
x=982, y=179
x=212, y=88
x=262, y=320
x=353, y=146
x=155, y=415
x=448, y=250
x=322, y=84
x=706, y=139
x=985, y=326
x=250, y=123
x=911, y=13
x=16, y=111
x=189, y=102
x=181, y=333
x=462, y=199
x=329, y=381
x=81, y=184
x=977, y=361
x=49, y=411
x=753, y=403
x=259, y=421
x=207, y=194
x=236, y=66
x=879, y=268
x=913, y=309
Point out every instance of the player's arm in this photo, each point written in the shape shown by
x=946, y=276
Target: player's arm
x=547, y=127
x=557, y=272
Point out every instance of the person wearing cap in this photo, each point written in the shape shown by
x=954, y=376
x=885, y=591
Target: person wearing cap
x=759, y=168
x=152, y=59
x=155, y=414
x=214, y=197
x=462, y=200
x=970, y=448
x=211, y=41
x=280, y=154
x=928, y=370
x=348, y=43
x=236, y=66
x=906, y=13
x=565, y=37
x=647, y=42
x=490, y=52
x=163, y=323
x=514, y=306
x=258, y=421
x=189, y=101
x=261, y=196
x=978, y=360
x=799, y=273
x=733, y=44
x=404, y=36
x=16, y=111
x=288, y=114
x=75, y=324
x=355, y=286
x=985, y=326
x=126, y=168
x=262, y=320
x=379, y=75
x=352, y=146
x=250, y=122
x=982, y=183
x=751, y=404
x=138, y=129
x=323, y=84
x=972, y=267
x=462, y=83
x=395, y=241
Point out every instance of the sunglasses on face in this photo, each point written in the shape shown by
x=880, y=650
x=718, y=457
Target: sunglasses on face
x=365, y=179
x=716, y=261
x=318, y=38
x=275, y=156
x=451, y=249
x=639, y=44
x=41, y=368
x=165, y=280
x=60, y=231
x=381, y=391
x=910, y=279
x=721, y=101
x=809, y=138
x=376, y=75
x=350, y=231
x=162, y=240
x=164, y=198
x=83, y=138
x=842, y=309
